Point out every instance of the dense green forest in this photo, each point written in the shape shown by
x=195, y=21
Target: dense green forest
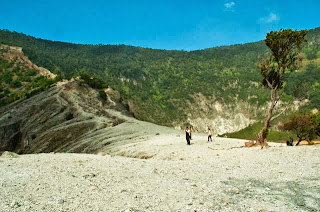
x=159, y=82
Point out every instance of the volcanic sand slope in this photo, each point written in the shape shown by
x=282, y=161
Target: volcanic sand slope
x=216, y=176
x=70, y=117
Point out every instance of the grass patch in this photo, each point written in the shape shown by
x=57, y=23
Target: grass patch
x=251, y=131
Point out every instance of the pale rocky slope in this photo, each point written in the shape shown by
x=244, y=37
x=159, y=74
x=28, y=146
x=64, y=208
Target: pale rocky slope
x=70, y=117
x=216, y=176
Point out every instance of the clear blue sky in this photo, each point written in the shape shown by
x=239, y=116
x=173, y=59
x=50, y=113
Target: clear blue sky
x=161, y=24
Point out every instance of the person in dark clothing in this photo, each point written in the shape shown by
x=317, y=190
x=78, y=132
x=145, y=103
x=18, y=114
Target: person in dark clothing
x=188, y=135
x=209, y=134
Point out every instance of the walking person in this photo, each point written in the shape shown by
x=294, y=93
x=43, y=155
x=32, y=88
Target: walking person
x=188, y=135
x=209, y=134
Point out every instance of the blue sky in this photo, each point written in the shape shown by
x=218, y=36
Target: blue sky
x=162, y=24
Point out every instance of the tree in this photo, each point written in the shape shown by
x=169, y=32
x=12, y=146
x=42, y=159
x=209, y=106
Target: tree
x=315, y=117
x=303, y=126
x=285, y=46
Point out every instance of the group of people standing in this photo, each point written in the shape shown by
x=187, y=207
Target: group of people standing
x=189, y=133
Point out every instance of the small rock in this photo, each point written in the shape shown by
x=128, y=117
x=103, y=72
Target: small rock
x=249, y=144
x=7, y=154
x=14, y=204
x=102, y=153
x=89, y=175
x=155, y=171
x=61, y=201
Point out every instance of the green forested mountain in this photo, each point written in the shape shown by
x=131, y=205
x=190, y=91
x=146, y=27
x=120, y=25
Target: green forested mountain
x=161, y=85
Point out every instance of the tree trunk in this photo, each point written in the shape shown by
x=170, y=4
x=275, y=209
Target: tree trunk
x=262, y=135
x=300, y=139
x=290, y=142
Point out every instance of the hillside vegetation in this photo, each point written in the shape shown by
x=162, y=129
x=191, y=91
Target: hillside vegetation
x=19, y=78
x=167, y=87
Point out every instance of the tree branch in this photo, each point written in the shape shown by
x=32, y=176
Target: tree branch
x=269, y=84
x=279, y=114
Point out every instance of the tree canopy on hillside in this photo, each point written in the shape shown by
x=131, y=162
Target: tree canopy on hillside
x=158, y=82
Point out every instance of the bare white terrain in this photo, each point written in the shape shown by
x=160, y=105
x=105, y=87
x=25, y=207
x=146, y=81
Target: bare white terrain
x=162, y=173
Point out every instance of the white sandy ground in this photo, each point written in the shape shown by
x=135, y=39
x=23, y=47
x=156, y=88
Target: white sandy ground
x=218, y=176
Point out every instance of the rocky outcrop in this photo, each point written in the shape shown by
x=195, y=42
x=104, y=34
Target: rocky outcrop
x=10, y=135
x=231, y=117
x=69, y=117
x=218, y=116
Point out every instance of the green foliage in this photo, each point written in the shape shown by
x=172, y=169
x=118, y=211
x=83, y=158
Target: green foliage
x=97, y=83
x=103, y=95
x=85, y=77
x=285, y=46
x=303, y=126
x=6, y=91
x=16, y=83
x=4, y=64
x=315, y=118
x=312, y=52
x=152, y=78
x=16, y=69
x=251, y=131
x=32, y=93
x=94, y=82
x=31, y=73
x=7, y=77
x=305, y=84
x=159, y=82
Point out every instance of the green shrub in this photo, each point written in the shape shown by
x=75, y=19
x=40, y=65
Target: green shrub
x=31, y=73
x=32, y=93
x=303, y=126
x=25, y=78
x=7, y=77
x=103, y=95
x=85, y=77
x=6, y=91
x=16, y=84
x=94, y=82
x=16, y=69
x=97, y=83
